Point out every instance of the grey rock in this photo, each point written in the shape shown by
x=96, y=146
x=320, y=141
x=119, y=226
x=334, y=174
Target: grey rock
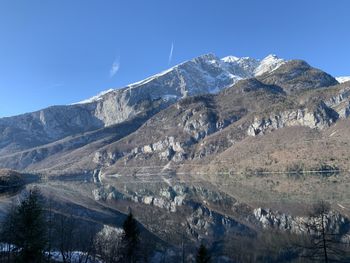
x=335, y=222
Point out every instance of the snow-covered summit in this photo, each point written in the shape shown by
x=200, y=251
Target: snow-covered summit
x=251, y=67
x=268, y=64
x=203, y=74
x=243, y=67
x=343, y=79
x=231, y=59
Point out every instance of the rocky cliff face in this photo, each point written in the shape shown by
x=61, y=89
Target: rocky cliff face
x=334, y=222
x=313, y=112
x=321, y=117
x=204, y=126
x=44, y=126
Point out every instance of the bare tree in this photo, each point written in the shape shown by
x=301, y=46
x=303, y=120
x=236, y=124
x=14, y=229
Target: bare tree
x=108, y=244
x=64, y=228
x=323, y=244
x=85, y=242
x=49, y=228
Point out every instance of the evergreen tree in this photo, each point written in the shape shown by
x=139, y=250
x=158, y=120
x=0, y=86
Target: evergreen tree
x=203, y=255
x=130, y=239
x=28, y=228
x=7, y=234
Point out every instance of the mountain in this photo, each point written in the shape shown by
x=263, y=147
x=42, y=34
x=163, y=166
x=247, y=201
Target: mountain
x=205, y=74
x=159, y=129
x=196, y=129
x=228, y=144
x=247, y=67
x=296, y=76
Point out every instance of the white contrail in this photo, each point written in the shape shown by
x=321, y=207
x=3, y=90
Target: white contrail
x=171, y=53
x=115, y=67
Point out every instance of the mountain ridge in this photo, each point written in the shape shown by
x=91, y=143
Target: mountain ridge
x=244, y=67
x=238, y=103
x=78, y=131
x=204, y=74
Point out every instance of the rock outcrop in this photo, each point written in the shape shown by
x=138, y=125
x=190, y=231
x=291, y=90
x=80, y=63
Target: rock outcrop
x=335, y=223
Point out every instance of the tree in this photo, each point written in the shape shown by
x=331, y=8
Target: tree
x=64, y=231
x=26, y=228
x=324, y=245
x=108, y=244
x=130, y=240
x=7, y=236
x=202, y=255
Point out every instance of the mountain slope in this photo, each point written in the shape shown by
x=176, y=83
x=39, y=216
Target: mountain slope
x=147, y=123
x=205, y=74
x=202, y=75
x=201, y=127
x=295, y=76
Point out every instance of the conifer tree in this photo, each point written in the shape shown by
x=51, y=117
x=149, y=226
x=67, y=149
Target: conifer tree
x=130, y=239
x=202, y=255
x=28, y=228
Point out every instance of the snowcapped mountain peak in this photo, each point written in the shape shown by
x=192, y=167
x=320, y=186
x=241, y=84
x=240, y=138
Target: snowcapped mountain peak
x=230, y=59
x=200, y=75
x=268, y=64
x=204, y=59
x=238, y=60
x=249, y=67
x=343, y=79
x=271, y=57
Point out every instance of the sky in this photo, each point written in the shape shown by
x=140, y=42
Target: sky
x=55, y=52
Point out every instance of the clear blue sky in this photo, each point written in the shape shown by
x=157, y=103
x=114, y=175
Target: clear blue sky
x=63, y=51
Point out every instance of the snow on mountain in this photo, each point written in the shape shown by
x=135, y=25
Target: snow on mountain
x=343, y=79
x=247, y=67
x=204, y=74
x=243, y=67
x=94, y=98
x=268, y=64
x=230, y=59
